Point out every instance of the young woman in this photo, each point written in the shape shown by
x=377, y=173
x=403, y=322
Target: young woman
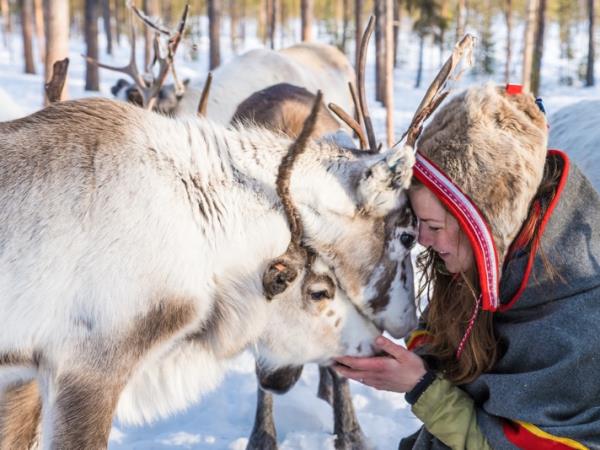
x=508, y=354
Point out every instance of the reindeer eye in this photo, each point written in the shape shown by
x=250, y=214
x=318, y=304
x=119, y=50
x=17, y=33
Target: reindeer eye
x=319, y=295
x=407, y=239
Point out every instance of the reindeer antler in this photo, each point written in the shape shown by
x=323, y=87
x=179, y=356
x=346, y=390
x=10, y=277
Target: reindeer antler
x=284, y=269
x=351, y=122
x=360, y=101
x=203, y=103
x=435, y=93
x=54, y=87
x=362, y=97
x=150, y=89
x=285, y=171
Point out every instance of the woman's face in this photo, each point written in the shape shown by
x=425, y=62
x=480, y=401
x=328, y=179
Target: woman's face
x=439, y=230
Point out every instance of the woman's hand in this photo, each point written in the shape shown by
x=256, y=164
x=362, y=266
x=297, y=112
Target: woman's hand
x=398, y=371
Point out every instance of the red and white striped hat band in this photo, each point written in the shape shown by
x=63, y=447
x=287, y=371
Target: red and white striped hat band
x=472, y=224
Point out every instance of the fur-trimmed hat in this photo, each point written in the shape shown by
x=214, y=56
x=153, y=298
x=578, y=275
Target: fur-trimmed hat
x=492, y=145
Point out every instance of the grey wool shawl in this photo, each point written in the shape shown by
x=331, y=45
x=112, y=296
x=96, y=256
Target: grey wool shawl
x=548, y=372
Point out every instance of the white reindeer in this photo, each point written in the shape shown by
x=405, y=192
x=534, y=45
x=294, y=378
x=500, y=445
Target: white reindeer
x=313, y=66
x=284, y=108
x=132, y=249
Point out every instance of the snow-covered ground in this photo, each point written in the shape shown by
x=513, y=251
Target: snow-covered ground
x=223, y=419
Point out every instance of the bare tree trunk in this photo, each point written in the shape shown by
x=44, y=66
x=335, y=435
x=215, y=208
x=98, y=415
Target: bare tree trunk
x=443, y=25
x=539, y=48
x=273, y=22
x=106, y=16
x=345, y=24
x=358, y=9
x=56, y=16
x=389, y=71
x=460, y=19
x=76, y=21
x=397, y=23
x=167, y=12
x=283, y=22
x=508, y=17
x=379, y=11
x=530, y=24
x=420, y=64
x=589, y=76
x=38, y=14
x=306, y=15
x=118, y=16
x=269, y=11
x=6, y=21
x=27, y=31
x=243, y=12
x=152, y=9
x=263, y=14
x=338, y=17
x=234, y=21
x=214, y=29
x=92, y=82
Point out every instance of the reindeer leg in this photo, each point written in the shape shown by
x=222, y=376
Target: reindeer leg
x=80, y=393
x=264, y=436
x=325, y=391
x=78, y=410
x=20, y=410
x=349, y=435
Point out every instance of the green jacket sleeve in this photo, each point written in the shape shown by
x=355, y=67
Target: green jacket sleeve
x=448, y=413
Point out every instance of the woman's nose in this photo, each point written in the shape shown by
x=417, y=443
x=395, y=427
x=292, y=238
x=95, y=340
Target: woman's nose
x=424, y=236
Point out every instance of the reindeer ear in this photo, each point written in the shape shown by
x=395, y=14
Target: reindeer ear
x=277, y=277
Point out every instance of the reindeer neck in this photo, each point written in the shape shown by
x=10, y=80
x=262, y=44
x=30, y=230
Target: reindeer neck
x=238, y=318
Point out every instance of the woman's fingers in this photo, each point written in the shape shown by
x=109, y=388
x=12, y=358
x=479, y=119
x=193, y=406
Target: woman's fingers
x=398, y=372
x=391, y=348
x=360, y=363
